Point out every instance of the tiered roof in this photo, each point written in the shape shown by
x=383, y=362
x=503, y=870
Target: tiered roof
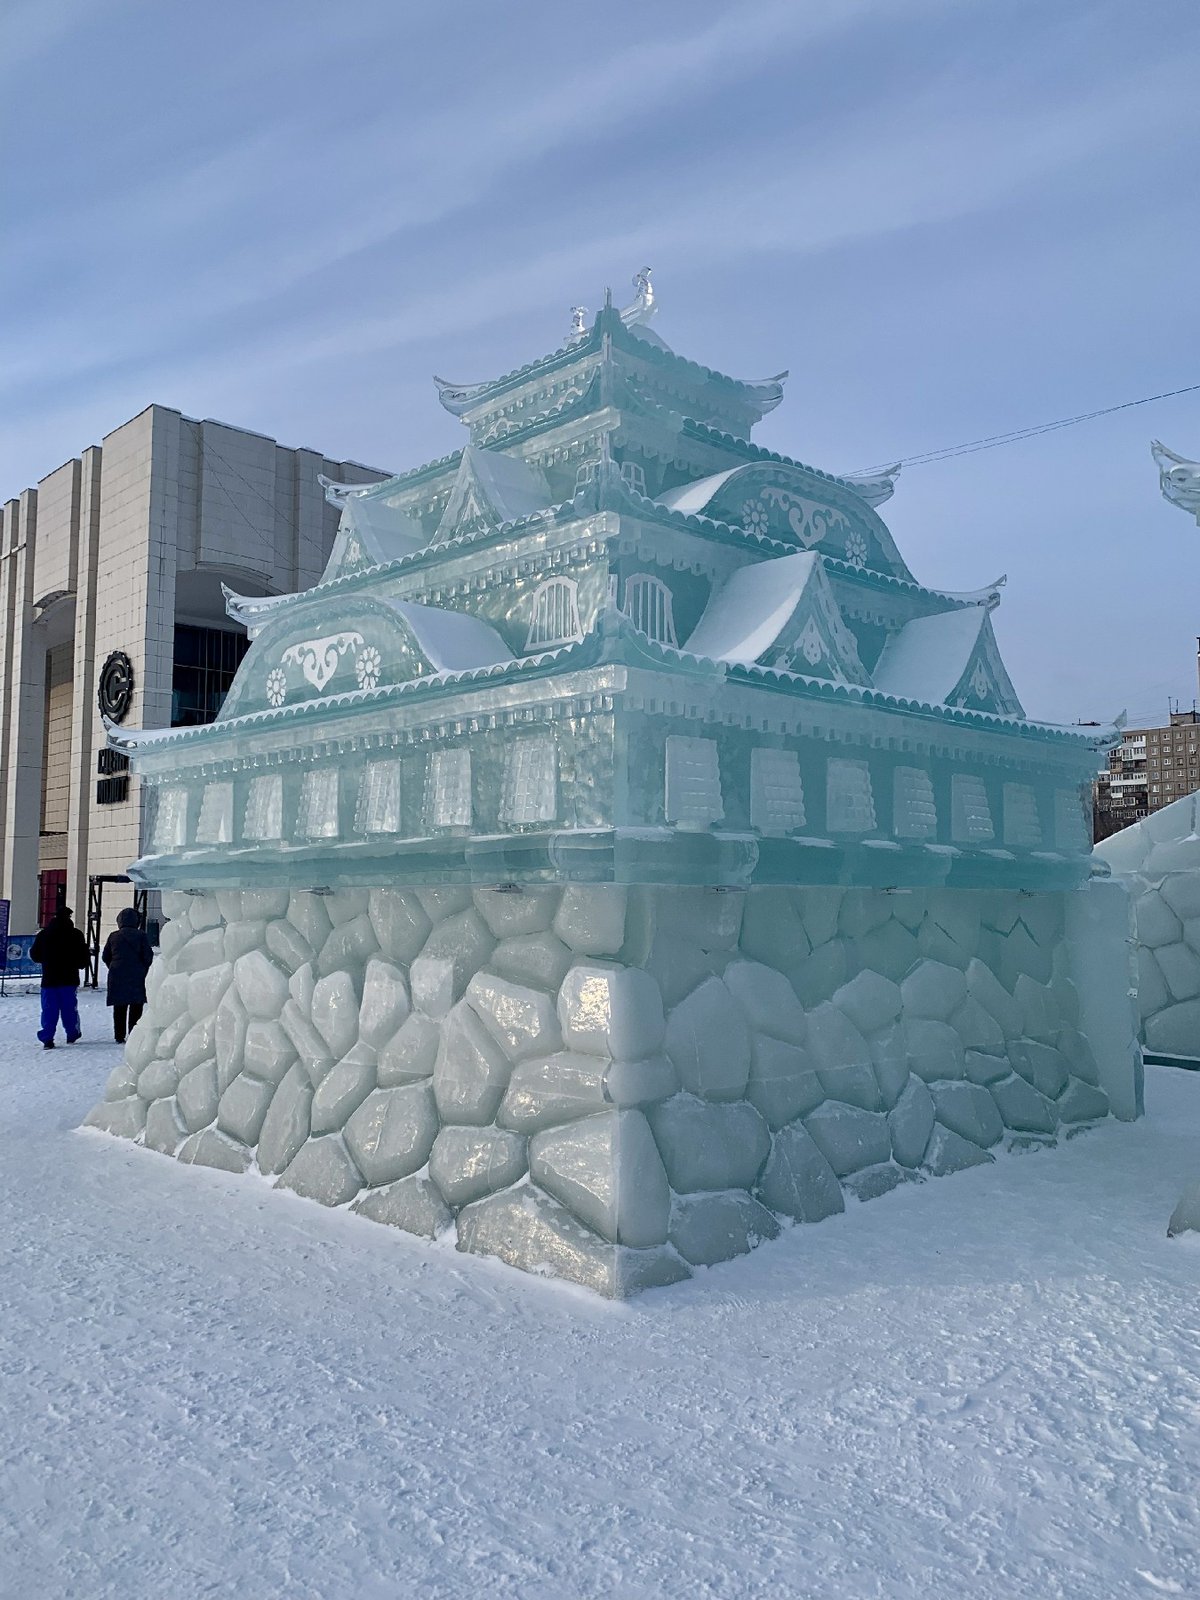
x=604, y=527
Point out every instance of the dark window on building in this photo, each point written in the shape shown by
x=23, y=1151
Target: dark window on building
x=52, y=892
x=206, y=660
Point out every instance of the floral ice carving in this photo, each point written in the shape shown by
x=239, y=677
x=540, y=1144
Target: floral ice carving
x=856, y=548
x=811, y=523
x=367, y=667
x=318, y=658
x=276, y=686
x=756, y=517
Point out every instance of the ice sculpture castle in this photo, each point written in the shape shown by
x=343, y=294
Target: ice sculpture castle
x=611, y=640
x=448, y=816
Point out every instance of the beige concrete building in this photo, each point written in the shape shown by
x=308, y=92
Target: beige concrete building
x=118, y=557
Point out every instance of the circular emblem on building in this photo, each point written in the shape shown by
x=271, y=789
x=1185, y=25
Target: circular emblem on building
x=116, y=686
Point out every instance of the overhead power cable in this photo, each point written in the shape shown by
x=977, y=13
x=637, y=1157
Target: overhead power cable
x=995, y=440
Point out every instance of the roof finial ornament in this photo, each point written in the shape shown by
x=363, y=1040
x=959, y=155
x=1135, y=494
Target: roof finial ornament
x=1178, y=478
x=643, y=305
x=875, y=487
x=579, y=324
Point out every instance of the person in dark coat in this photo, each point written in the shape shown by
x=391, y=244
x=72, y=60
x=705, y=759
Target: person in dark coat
x=61, y=950
x=127, y=954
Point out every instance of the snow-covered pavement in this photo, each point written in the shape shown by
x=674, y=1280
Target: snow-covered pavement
x=208, y=1389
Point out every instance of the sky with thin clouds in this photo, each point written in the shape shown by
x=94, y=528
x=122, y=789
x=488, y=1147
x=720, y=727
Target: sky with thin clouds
x=947, y=219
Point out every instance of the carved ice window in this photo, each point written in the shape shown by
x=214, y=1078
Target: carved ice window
x=1070, y=826
x=693, y=782
x=970, y=814
x=317, y=817
x=530, y=782
x=263, y=817
x=849, y=802
x=648, y=607
x=633, y=476
x=378, y=808
x=914, y=811
x=1022, y=824
x=170, y=821
x=776, y=792
x=555, y=615
x=216, y=814
x=448, y=789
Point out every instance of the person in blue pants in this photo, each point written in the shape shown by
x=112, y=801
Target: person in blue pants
x=61, y=950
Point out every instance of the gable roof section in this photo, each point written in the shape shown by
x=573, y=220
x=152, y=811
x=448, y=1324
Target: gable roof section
x=797, y=506
x=492, y=488
x=453, y=641
x=371, y=531
x=780, y=613
x=951, y=659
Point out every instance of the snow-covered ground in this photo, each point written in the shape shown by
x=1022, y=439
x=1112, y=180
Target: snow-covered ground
x=986, y=1386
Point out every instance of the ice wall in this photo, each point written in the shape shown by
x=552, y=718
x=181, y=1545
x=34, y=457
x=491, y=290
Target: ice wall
x=611, y=1085
x=1158, y=861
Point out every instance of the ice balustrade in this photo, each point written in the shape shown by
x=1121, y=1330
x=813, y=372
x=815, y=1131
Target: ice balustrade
x=1022, y=824
x=776, y=792
x=849, y=798
x=914, y=813
x=448, y=789
x=215, y=824
x=334, y=803
x=971, y=816
x=263, y=818
x=693, y=782
x=378, y=809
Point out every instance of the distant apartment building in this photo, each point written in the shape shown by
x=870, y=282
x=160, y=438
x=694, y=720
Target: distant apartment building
x=1149, y=769
x=110, y=584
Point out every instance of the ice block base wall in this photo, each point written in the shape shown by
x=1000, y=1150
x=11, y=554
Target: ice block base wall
x=1158, y=861
x=611, y=1085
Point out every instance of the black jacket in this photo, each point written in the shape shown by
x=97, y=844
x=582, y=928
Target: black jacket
x=127, y=954
x=61, y=950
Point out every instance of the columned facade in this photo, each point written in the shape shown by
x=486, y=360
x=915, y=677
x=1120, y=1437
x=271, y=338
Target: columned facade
x=124, y=549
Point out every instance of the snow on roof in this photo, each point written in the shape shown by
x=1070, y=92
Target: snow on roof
x=451, y=640
x=387, y=532
x=509, y=487
x=691, y=498
x=744, y=618
x=927, y=657
x=514, y=487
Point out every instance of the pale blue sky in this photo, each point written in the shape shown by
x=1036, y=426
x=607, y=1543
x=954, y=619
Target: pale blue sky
x=948, y=218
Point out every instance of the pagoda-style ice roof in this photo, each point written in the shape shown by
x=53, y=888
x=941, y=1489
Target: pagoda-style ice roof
x=640, y=354
x=611, y=640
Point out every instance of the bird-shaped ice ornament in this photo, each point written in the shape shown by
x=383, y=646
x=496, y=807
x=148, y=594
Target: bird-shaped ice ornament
x=1178, y=478
x=875, y=487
